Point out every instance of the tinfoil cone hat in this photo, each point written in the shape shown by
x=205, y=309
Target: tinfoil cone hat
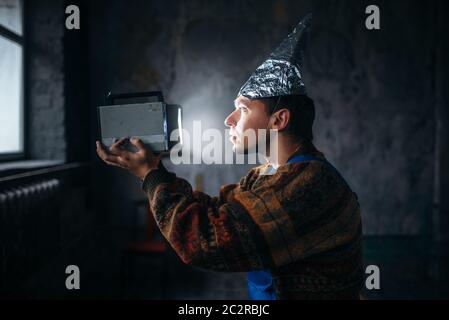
x=281, y=74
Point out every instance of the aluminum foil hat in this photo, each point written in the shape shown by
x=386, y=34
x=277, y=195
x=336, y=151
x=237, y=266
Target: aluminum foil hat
x=280, y=74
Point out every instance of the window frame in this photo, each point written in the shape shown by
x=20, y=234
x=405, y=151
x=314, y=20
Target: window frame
x=19, y=40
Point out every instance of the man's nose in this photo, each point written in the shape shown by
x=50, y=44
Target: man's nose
x=230, y=120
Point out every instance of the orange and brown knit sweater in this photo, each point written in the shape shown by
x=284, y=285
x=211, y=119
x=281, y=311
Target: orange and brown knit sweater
x=303, y=223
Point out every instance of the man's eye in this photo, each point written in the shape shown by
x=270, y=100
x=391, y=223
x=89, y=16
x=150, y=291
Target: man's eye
x=243, y=109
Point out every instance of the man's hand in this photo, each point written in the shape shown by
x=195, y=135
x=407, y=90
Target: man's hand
x=139, y=163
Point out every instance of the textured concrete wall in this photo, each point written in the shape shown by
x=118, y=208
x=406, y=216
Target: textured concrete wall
x=45, y=93
x=372, y=89
x=374, y=92
x=375, y=108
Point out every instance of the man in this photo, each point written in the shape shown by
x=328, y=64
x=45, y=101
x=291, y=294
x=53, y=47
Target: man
x=293, y=223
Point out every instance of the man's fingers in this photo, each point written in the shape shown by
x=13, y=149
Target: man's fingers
x=138, y=163
x=116, y=161
x=102, y=153
x=109, y=158
x=100, y=150
x=118, y=151
x=118, y=142
x=114, y=164
x=99, y=145
x=138, y=143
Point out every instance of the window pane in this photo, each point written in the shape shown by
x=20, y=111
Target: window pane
x=11, y=15
x=11, y=125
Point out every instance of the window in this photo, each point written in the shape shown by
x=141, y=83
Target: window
x=11, y=80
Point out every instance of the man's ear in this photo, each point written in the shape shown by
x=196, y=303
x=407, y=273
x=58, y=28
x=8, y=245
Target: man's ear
x=281, y=119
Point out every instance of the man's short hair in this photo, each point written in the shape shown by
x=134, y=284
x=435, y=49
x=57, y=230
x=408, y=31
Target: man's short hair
x=302, y=114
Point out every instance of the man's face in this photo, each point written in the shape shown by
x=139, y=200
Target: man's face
x=249, y=114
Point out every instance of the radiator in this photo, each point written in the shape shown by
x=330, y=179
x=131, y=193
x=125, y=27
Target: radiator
x=29, y=229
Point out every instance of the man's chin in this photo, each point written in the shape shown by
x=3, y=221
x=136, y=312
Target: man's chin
x=238, y=149
x=242, y=150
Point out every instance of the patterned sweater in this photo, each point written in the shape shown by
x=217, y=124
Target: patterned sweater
x=303, y=223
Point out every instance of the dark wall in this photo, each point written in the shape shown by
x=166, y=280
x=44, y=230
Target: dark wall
x=57, y=101
x=373, y=89
x=46, y=132
x=375, y=108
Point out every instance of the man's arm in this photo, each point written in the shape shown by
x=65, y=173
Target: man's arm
x=302, y=210
x=247, y=229
x=213, y=233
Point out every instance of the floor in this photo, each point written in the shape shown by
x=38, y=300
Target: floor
x=404, y=263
